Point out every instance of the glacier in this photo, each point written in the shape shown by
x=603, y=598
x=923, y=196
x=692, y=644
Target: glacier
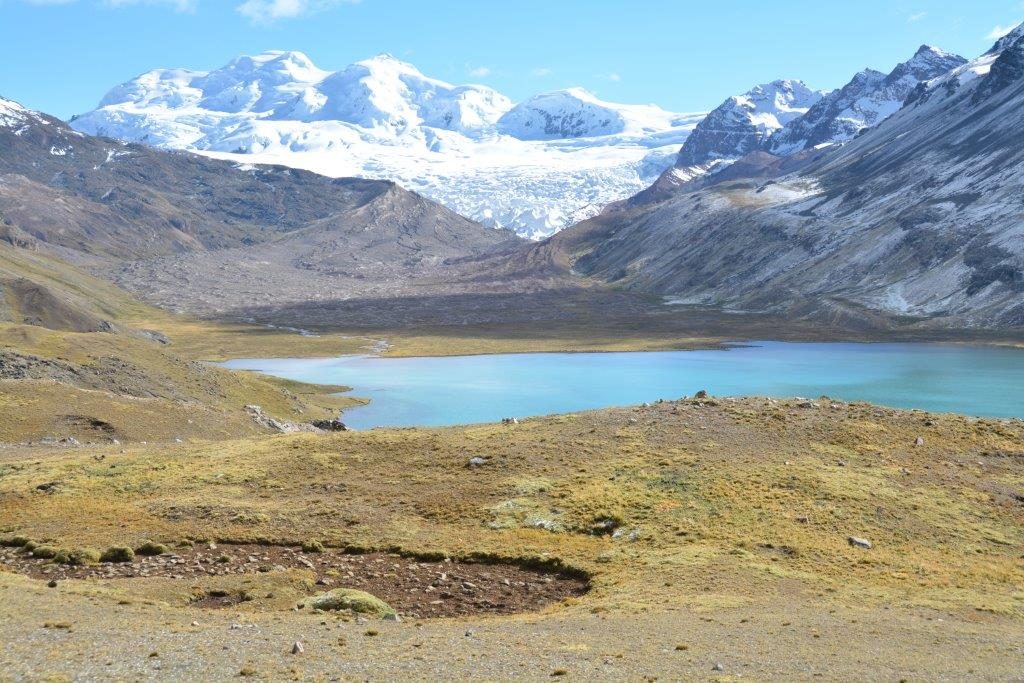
x=535, y=167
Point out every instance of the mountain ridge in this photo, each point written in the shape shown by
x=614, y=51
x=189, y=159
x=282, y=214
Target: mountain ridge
x=918, y=219
x=465, y=146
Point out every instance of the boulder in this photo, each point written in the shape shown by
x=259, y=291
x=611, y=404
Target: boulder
x=334, y=425
x=859, y=542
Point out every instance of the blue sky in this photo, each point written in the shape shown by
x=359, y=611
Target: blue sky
x=61, y=56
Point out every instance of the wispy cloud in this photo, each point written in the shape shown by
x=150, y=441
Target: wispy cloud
x=540, y=71
x=614, y=77
x=176, y=5
x=479, y=72
x=269, y=11
x=999, y=31
x=916, y=17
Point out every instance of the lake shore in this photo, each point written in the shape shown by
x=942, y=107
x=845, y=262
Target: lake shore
x=980, y=380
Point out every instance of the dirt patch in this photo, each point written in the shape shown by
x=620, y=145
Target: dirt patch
x=220, y=599
x=412, y=587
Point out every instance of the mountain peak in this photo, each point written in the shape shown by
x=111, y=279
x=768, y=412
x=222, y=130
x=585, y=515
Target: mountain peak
x=928, y=62
x=285, y=64
x=868, y=99
x=778, y=98
x=926, y=50
x=11, y=113
x=742, y=123
x=1008, y=40
x=386, y=60
x=568, y=113
x=581, y=93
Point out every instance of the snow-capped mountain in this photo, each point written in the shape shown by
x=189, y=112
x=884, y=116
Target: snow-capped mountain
x=742, y=123
x=921, y=217
x=867, y=100
x=13, y=115
x=576, y=113
x=535, y=167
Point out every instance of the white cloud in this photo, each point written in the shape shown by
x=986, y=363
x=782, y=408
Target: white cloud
x=615, y=78
x=269, y=11
x=479, y=72
x=917, y=16
x=541, y=71
x=1000, y=31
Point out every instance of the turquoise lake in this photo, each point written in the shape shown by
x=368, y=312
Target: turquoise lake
x=974, y=380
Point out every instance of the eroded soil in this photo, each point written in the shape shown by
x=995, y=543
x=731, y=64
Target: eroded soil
x=413, y=587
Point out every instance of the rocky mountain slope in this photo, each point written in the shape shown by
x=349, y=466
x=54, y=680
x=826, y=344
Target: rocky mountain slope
x=131, y=212
x=538, y=166
x=921, y=217
x=867, y=100
x=787, y=118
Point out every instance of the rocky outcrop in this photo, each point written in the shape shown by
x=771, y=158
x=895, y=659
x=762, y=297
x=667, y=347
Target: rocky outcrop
x=867, y=100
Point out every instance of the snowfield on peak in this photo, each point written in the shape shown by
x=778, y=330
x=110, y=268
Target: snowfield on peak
x=742, y=123
x=535, y=167
x=12, y=113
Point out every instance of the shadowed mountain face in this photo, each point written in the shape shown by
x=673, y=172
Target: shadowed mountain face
x=106, y=199
x=146, y=217
x=921, y=216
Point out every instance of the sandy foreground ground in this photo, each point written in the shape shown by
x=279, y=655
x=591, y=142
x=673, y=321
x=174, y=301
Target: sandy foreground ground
x=782, y=640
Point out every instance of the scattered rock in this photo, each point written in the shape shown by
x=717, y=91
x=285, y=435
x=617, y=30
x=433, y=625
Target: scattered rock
x=477, y=461
x=858, y=542
x=297, y=648
x=52, y=584
x=605, y=526
x=334, y=425
x=718, y=667
x=919, y=441
x=701, y=394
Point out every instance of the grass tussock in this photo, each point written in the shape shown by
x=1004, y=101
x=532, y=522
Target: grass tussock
x=118, y=554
